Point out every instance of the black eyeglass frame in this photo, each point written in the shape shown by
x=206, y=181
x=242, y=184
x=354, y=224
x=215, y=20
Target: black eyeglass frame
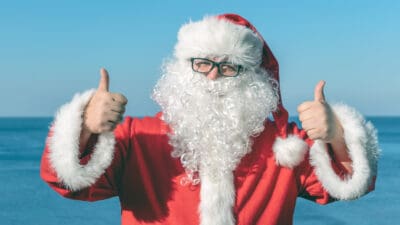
x=218, y=65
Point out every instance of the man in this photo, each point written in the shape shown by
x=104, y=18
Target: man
x=211, y=156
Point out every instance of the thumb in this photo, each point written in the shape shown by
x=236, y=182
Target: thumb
x=104, y=80
x=319, y=92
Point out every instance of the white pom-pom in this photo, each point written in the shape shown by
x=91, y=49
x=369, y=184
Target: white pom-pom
x=289, y=152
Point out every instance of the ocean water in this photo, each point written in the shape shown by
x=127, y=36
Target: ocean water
x=26, y=199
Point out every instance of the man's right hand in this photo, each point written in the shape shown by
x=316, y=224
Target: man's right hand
x=105, y=109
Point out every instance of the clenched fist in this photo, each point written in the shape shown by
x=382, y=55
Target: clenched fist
x=105, y=109
x=317, y=117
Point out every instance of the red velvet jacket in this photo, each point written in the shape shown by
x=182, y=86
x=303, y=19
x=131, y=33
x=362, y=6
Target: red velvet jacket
x=147, y=179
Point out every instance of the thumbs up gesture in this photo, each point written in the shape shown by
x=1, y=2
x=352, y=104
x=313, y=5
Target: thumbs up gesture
x=317, y=118
x=105, y=109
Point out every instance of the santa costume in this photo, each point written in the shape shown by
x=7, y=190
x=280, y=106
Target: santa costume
x=154, y=166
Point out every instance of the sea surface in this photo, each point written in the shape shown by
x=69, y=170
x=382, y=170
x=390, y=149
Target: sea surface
x=26, y=199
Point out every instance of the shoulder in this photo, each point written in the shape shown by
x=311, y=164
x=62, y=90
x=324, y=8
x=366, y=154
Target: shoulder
x=143, y=125
x=144, y=135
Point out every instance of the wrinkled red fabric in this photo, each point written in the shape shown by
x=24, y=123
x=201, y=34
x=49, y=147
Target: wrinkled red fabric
x=147, y=179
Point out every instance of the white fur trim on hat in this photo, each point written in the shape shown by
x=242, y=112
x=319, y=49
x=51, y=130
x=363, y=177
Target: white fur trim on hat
x=219, y=37
x=362, y=143
x=64, y=146
x=217, y=200
x=289, y=152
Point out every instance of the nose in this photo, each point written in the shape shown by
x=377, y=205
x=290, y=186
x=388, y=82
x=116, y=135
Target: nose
x=213, y=74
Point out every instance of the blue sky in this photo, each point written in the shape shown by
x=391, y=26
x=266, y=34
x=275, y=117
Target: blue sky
x=50, y=50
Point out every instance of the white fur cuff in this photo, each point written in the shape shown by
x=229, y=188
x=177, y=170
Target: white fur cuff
x=289, y=152
x=362, y=143
x=64, y=146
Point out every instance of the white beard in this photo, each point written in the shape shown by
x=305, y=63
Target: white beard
x=213, y=122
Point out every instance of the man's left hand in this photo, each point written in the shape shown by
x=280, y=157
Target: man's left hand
x=317, y=117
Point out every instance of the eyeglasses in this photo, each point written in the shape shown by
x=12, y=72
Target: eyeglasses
x=204, y=66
